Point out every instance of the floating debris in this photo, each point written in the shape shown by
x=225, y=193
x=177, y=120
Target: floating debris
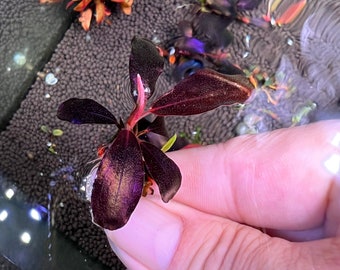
x=50, y=79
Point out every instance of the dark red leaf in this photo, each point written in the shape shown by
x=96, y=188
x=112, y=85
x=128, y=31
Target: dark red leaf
x=156, y=126
x=146, y=61
x=119, y=183
x=85, y=111
x=201, y=92
x=162, y=169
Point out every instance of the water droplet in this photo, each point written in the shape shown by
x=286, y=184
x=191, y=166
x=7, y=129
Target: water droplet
x=50, y=79
x=19, y=59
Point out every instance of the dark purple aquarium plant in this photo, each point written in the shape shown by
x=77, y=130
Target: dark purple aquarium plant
x=133, y=158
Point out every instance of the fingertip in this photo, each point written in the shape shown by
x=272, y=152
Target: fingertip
x=150, y=237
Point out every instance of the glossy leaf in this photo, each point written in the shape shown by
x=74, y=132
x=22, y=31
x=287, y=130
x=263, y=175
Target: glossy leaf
x=291, y=13
x=146, y=61
x=203, y=91
x=119, y=183
x=156, y=126
x=163, y=170
x=85, y=111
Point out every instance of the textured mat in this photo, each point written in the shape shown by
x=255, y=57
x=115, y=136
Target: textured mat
x=94, y=65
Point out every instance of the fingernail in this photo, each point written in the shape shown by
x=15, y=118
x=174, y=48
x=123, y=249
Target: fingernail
x=150, y=237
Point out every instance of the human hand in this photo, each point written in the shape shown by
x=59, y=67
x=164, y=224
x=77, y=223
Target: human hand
x=286, y=182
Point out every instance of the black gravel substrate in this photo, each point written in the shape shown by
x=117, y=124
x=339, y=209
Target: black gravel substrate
x=94, y=65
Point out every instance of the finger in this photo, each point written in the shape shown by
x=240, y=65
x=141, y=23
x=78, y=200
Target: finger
x=172, y=236
x=175, y=236
x=149, y=239
x=276, y=180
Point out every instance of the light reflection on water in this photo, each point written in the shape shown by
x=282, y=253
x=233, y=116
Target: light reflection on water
x=28, y=240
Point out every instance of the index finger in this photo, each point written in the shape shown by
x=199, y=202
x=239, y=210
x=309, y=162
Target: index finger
x=276, y=180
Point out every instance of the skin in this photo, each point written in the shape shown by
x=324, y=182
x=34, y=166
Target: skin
x=282, y=181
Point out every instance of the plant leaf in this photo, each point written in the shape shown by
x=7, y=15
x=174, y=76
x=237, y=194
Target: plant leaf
x=85, y=111
x=201, y=92
x=100, y=11
x=85, y=19
x=291, y=13
x=156, y=126
x=163, y=170
x=119, y=183
x=169, y=143
x=82, y=5
x=146, y=61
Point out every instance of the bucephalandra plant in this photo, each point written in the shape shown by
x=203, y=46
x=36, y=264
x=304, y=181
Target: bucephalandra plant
x=133, y=158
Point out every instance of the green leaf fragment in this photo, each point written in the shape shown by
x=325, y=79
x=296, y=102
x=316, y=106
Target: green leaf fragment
x=303, y=112
x=45, y=129
x=169, y=143
x=57, y=132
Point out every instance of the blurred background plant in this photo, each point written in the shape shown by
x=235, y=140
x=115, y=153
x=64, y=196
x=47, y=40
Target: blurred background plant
x=94, y=9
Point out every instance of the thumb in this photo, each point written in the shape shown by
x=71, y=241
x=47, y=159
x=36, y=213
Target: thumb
x=179, y=237
x=151, y=237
